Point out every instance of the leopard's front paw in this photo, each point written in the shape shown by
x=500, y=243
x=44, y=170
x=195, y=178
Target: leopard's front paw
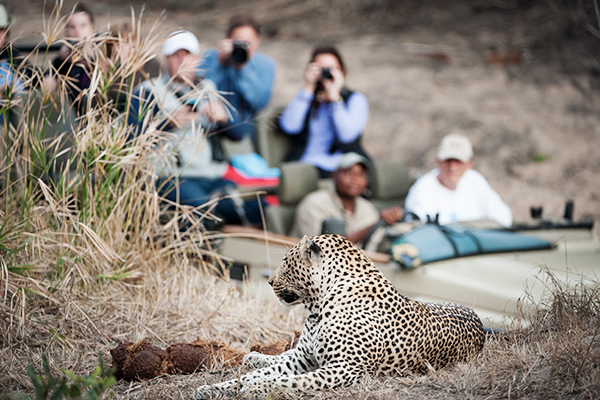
x=224, y=389
x=205, y=393
x=257, y=360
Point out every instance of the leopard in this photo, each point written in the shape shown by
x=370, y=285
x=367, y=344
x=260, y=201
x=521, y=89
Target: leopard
x=357, y=324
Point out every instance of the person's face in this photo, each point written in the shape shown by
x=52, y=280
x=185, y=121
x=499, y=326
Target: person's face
x=328, y=61
x=79, y=26
x=451, y=171
x=3, y=36
x=182, y=65
x=248, y=35
x=122, y=48
x=351, y=182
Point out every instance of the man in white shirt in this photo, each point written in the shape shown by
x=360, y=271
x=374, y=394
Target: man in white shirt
x=454, y=192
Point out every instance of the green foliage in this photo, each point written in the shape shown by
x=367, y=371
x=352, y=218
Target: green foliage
x=539, y=158
x=49, y=387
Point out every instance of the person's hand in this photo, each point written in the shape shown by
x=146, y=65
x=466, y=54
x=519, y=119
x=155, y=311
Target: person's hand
x=224, y=48
x=214, y=111
x=334, y=86
x=48, y=84
x=312, y=74
x=64, y=52
x=392, y=214
x=184, y=116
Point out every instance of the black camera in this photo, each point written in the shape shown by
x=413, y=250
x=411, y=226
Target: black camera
x=239, y=54
x=326, y=74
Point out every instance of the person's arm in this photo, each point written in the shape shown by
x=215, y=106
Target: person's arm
x=497, y=209
x=252, y=85
x=418, y=202
x=254, y=81
x=141, y=108
x=60, y=62
x=358, y=236
x=293, y=117
x=308, y=219
x=350, y=119
x=390, y=215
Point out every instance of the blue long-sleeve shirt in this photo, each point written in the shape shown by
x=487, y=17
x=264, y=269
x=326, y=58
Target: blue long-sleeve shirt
x=248, y=90
x=8, y=79
x=346, y=121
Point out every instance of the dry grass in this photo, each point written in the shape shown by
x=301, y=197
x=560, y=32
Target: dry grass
x=87, y=263
x=94, y=257
x=557, y=356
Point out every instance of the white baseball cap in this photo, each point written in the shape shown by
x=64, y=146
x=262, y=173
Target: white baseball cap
x=455, y=146
x=5, y=20
x=181, y=40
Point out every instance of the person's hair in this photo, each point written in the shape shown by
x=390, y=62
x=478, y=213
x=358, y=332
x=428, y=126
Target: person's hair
x=82, y=8
x=328, y=49
x=239, y=20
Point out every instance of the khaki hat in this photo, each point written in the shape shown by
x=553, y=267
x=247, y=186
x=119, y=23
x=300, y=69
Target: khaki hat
x=455, y=147
x=181, y=40
x=5, y=20
x=349, y=159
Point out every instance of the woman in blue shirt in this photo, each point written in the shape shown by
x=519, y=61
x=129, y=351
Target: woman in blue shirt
x=325, y=119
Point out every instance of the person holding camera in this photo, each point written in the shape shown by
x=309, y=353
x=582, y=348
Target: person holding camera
x=325, y=119
x=12, y=66
x=244, y=75
x=78, y=30
x=178, y=103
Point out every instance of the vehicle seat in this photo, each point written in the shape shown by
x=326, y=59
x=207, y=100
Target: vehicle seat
x=272, y=144
x=390, y=182
x=296, y=181
x=231, y=147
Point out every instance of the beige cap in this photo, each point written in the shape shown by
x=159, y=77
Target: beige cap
x=455, y=146
x=181, y=40
x=349, y=159
x=5, y=20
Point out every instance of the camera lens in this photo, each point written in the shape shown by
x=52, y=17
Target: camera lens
x=239, y=54
x=326, y=73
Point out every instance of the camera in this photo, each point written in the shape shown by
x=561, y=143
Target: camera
x=326, y=74
x=239, y=54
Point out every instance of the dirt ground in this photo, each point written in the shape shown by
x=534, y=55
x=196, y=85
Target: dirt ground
x=520, y=78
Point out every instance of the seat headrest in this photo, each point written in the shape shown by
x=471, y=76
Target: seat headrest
x=296, y=181
x=390, y=180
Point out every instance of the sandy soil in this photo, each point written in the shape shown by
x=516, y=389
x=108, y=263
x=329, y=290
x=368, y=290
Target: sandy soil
x=518, y=82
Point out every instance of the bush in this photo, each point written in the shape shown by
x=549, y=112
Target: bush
x=88, y=387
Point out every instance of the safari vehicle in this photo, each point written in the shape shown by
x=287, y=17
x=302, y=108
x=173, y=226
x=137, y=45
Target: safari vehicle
x=500, y=277
x=498, y=286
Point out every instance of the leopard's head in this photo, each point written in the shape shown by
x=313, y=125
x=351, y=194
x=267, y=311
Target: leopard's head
x=295, y=281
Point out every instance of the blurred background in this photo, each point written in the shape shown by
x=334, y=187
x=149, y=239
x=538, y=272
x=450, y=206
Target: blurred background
x=519, y=77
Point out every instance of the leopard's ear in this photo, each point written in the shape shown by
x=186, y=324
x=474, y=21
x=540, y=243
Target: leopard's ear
x=308, y=248
x=312, y=246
